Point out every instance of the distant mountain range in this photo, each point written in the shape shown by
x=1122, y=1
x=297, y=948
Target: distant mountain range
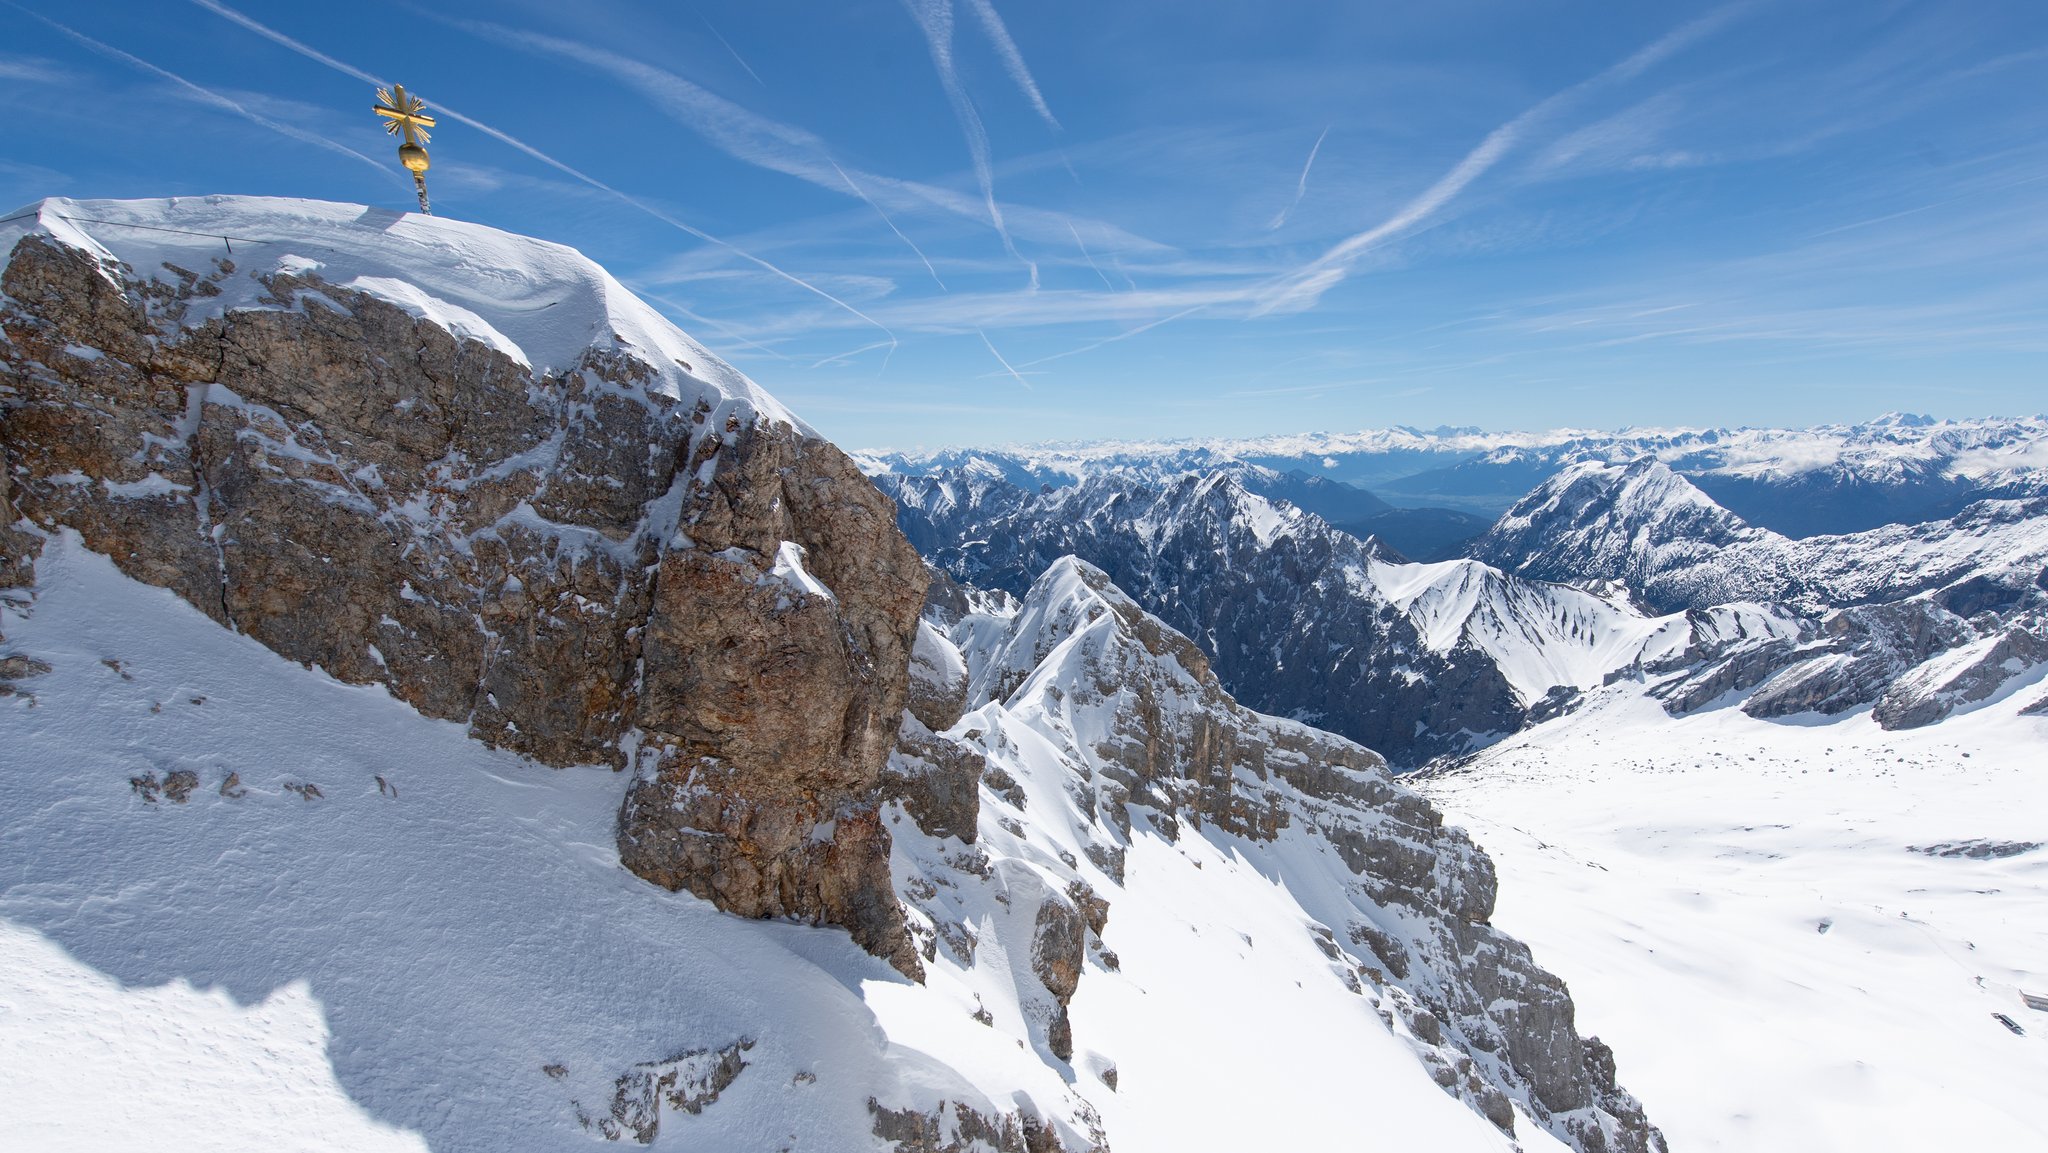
x=1829, y=479
x=1604, y=570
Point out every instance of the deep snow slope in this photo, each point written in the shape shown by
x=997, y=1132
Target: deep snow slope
x=353, y=927
x=1243, y=924
x=301, y=956
x=1808, y=937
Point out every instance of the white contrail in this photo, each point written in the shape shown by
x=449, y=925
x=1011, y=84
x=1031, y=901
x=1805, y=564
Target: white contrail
x=907, y=242
x=935, y=19
x=1124, y=335
x=1300, y=186
x=207, y=94
x=1089, y=256
x=1302, y=287
x=738, y=132
x=442, y=109
x=1012, y=58
x=843, y=357
x=735, y=52
x=1014, y=374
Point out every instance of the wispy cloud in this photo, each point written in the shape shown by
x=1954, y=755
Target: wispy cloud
x=204, y=95
x=740, y=133
x=1014, y=374
x=1124, y=335
x=1013, y=60
x=935, y=19
x=1301, y=288
x=1090, y=257
x=667, y=218
x=1300, y=185
x=31, y=70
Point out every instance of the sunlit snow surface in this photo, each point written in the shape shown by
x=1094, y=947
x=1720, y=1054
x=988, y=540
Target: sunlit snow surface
x=361, y=970
x=1739, y=911
x=395, y=967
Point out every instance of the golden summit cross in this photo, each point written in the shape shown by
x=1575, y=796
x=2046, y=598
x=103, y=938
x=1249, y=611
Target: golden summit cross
x=406, y=115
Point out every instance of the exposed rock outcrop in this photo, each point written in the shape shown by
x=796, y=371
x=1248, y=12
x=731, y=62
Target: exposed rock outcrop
x=1935, y=690
x=1283, y=605
x=602, y=560
x=686, y=1083
x=957, y=1128
x=1151, y=745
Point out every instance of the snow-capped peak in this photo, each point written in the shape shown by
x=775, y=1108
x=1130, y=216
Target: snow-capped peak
x=544, y=305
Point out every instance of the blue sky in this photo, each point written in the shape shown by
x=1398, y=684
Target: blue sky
x=927, y=222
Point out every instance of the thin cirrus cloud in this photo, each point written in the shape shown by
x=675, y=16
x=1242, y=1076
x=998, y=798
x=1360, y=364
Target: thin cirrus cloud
x=739, y=133
x=935, y=19
x=1300, y=184
x=667, y=218
x=1013, y=59
x=796, y=152
x=1304, y=286
x=201, y=93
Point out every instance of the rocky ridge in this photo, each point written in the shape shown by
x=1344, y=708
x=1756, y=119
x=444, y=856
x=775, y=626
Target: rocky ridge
x=629, y=556
x=1606, y=574
x=1916, y=620
x=1098, y=734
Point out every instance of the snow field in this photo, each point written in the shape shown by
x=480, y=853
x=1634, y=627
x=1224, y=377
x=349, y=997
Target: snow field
x=359, y=970
x=1738, y=909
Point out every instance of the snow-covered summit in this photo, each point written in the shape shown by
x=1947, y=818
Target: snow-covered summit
x=1612, y=521
x=544, y=305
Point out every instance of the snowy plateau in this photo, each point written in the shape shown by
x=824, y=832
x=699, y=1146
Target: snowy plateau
x=443, y=706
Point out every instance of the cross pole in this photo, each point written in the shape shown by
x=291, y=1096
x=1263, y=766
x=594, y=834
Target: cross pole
x=405, y=115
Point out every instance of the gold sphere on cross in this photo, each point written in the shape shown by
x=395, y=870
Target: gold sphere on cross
x=405, y=116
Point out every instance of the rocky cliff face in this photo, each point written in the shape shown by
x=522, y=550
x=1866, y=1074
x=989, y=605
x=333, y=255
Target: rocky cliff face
x=1285, y=607
x=1084, y=703
x=623, y=558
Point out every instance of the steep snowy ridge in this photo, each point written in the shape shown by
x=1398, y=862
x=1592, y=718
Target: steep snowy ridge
x=1127, y=803
x=1639, y=523
x=1416, y=660
x=1289, y=610
x=1305, y=620
x=1543, y=637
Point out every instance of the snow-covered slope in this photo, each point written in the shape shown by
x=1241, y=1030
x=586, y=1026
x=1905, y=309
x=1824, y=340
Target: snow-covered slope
x=232, y=878
x=1274, y=928
x=360, y=928
x=1805, y=937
